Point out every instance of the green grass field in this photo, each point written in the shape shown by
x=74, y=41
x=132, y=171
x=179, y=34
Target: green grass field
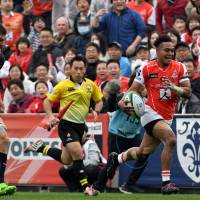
x=105, y=196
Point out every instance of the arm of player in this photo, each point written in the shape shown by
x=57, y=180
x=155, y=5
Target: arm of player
x=48, y=109
x=136, y=86
x=183, y=90
x=97, y=110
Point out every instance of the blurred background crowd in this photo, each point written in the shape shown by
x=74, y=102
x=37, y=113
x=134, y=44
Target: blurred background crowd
x=38, y=39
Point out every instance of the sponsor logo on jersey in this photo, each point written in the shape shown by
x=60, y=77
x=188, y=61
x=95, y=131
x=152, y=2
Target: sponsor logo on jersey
x=153, y=75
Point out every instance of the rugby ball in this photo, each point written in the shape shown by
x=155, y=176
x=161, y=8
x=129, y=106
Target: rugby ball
x=133, y=99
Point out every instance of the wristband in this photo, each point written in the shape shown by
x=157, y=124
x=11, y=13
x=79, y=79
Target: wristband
x=179, y=91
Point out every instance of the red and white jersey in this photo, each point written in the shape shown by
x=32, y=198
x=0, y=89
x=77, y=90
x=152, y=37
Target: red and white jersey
x=160, y=99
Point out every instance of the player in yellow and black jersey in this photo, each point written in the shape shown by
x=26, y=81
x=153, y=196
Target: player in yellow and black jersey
x=71, y=127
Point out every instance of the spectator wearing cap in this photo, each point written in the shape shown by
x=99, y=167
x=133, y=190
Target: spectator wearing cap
x=122, y=25
x=115, y=53
x=47, y=52
x=167, y=9
x=182, y=51
x=82, y=26
x=64, y=36
x=142, y=57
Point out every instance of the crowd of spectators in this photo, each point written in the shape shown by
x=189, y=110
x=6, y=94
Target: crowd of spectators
x=38, y=39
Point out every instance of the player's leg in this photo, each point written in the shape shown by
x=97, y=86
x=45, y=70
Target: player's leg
x=137, y=169
x=40, y=147
x=148, y=145
x=76, y=152
x=164, y=133
x=116, y=144
x=5, y=189
x=71, y=135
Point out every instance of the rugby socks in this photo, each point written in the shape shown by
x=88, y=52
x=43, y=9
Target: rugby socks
x=165, y=177
x=80, y=173
x=52, y=152
x=3, y=160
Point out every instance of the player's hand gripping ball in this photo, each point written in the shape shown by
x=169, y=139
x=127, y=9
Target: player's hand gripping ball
x=134, y=104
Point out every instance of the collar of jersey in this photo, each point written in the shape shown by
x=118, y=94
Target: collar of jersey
x=83, y=80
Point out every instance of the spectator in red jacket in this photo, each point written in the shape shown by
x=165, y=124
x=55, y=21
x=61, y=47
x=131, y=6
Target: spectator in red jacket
x=102, y=73
x=21, y=100
x=167, y=9
x=12, y=21
x=146, y=11
x=41, y=89
x=23, y=54
x=114, y=73
x=44, y=9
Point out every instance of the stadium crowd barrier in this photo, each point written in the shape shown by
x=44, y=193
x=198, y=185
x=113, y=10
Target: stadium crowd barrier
x=37, y=169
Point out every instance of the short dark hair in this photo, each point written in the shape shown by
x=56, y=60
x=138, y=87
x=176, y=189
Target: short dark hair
x=15, y=82
x=42, y=64
x=92, y=44
x=102, y=41
x=113, y=61
x=181, y=44
x=174, y=32
x=38, y=82
x=89, y=1
x=38, y=18
x=22, y=40
x=161, y=39
x=20, y=69
x=192, y=18
x=78, y=58
x=181, y=17
x=101, y=62
x=194, y=29
x=48, y=30
x=188, y=59
x=74, y=51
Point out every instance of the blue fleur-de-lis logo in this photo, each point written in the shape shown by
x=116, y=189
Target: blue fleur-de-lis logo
x=188, y=147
